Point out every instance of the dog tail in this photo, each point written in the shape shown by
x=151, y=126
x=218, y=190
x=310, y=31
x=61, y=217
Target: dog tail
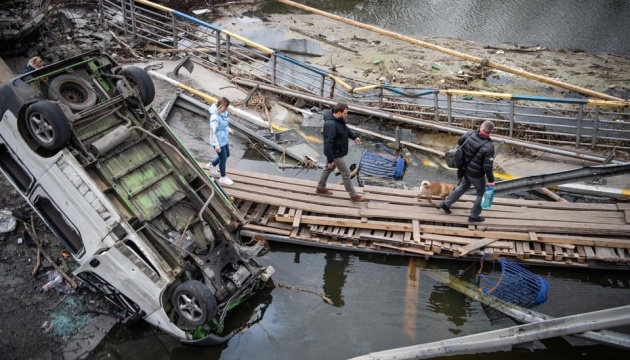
x=425, y=184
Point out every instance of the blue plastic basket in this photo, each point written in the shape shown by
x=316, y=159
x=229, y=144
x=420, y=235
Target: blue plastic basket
x=384, y=165
x=516, y=284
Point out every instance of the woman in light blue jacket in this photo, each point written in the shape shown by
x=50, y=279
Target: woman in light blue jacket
x=219, y=136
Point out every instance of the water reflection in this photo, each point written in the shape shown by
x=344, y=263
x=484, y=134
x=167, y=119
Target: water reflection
x=449, y=302
x=335, y=276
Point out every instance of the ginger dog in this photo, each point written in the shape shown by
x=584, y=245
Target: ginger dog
x=428, y=189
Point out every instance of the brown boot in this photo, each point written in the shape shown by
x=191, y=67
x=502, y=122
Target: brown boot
x=358, y=198
x=324, y=191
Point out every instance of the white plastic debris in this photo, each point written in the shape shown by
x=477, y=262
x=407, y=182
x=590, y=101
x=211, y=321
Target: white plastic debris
x=7, y=221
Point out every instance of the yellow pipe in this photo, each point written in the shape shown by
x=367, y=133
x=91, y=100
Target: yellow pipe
x=248, y=42
x=453, y=52
x=156, y=6
x=477, y=93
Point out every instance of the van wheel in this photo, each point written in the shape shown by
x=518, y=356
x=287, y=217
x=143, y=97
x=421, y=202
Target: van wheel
x=194, y=302
x=48, y=125
x=141, y=81
x=74, y=91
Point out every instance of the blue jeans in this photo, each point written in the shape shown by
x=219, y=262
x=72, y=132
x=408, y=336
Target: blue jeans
x=221, y=159
x=467, y=181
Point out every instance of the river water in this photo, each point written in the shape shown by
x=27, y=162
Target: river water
x=375, y=303
x=588, y=25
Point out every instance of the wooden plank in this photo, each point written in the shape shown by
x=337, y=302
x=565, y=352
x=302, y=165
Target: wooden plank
x=258, y=212
x=297, y=218
x=407, y=237
x=627, y=216
x=526, y=249
x=379, y=238
x=345, y=222
x=520, y=254
x=404, y=249
x=475, y=245
x=464, y=241
x=537, y=248
x=581, y=254
x=546, y=237
x=267, y=230
x=244, y=209
x=590, y=253
x=436, y=247
x=548, y=252
x=415, y=224
x=558, y=254
x=606, y=254
x=281, y=210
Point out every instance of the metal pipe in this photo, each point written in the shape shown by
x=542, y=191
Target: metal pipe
x=502, y=338
x=422, y=123
x=595, y=127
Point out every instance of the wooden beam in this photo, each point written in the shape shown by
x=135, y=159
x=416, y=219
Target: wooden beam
x=474, y=246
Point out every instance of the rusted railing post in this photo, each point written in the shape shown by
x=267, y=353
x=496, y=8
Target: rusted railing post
x=512, y=118
x=595, y=127
x=449, y=107
x=578, y=130
x=437, y=106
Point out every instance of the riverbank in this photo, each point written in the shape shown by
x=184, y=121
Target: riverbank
x=365, y=56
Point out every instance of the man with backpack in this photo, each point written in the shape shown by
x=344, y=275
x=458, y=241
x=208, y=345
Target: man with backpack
x=478, y=152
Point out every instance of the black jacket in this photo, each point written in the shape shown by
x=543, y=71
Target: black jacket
x=481, y=163
x=336, y=135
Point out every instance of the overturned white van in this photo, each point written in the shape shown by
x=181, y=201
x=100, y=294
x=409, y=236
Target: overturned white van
x=147, y=226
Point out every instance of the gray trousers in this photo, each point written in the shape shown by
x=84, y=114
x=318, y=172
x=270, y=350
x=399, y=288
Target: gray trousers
x=467, y=181
x=340, y=163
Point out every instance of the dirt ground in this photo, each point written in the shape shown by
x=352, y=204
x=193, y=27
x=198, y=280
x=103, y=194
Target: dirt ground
x=36, y=325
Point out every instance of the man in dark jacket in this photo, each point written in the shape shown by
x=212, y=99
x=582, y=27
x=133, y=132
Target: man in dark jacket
x=478, y=161
x=336, y=135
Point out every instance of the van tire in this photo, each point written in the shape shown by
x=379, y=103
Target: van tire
x=48, y=125
x=73, y=91
x=194, y=302
x=141, y=81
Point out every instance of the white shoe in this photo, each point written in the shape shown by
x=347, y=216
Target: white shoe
x=213, y=169
x=224, y=180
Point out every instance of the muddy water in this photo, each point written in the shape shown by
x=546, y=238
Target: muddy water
x=593, y=26
x=375, y=303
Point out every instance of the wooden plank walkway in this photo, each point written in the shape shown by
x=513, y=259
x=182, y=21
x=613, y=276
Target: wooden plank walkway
x=394, y=220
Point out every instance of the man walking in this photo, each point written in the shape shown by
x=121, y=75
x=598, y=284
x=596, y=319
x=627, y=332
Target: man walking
x=336, y=135
x=478, y=161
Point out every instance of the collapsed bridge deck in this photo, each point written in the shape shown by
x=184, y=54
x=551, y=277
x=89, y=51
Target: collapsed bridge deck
x=395, y=221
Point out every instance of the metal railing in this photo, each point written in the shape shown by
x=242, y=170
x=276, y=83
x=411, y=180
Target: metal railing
x=583, y=123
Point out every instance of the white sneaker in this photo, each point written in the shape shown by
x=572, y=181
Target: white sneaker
x=213, y=169
x=224, y=180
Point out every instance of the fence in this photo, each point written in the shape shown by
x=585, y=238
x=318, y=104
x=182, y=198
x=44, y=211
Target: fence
x=583, y=123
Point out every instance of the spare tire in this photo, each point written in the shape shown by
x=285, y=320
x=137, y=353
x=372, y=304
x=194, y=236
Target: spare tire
x=73, y=91
x=194, y=302
x=48, y=125
x=141, y=81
